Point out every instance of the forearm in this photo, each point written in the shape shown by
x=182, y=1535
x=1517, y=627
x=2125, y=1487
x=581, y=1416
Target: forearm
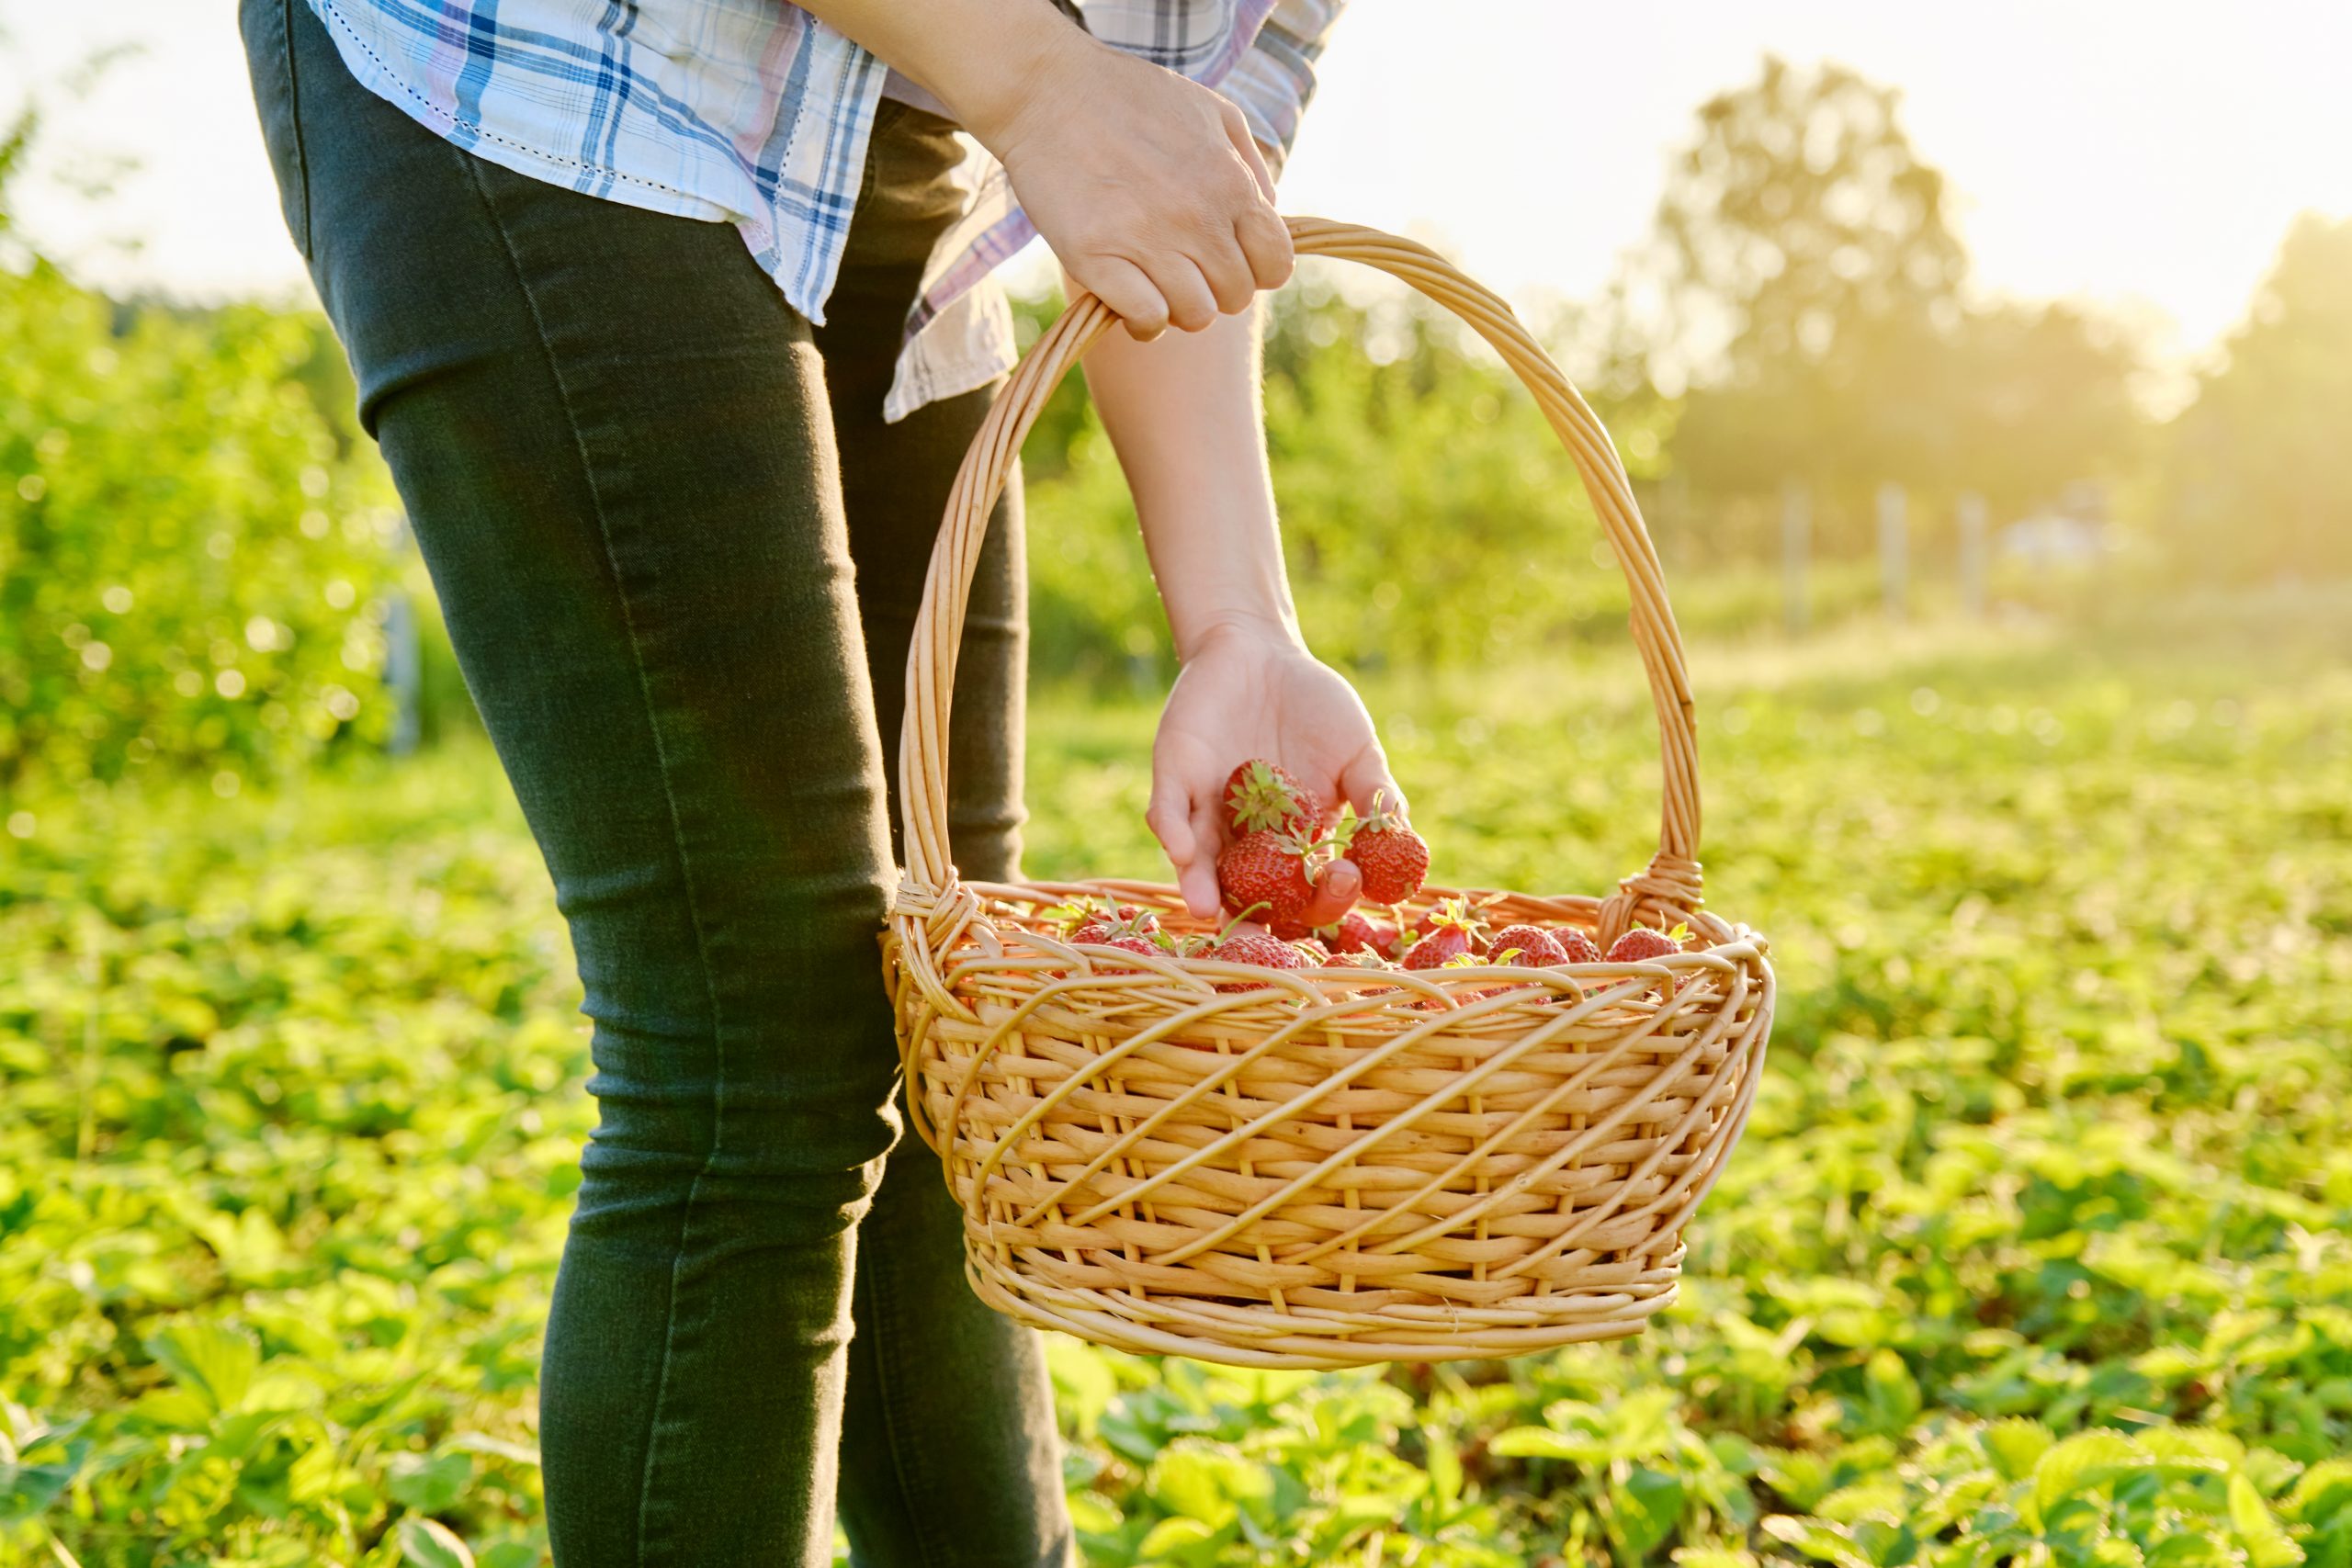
x=1184, y=414
x=981, y=58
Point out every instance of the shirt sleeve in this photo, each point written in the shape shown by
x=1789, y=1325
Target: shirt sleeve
x=1275, y=79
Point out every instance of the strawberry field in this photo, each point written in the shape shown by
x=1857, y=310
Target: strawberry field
x=2036, y=1251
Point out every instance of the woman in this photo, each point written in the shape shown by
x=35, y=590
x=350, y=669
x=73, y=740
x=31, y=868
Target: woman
x=677, y=488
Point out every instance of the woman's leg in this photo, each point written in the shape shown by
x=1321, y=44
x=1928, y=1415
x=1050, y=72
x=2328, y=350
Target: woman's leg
x=949, y=1452
x=613, y=443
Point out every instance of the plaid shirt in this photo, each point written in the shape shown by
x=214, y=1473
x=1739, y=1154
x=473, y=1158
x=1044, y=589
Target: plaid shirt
x=755, y=113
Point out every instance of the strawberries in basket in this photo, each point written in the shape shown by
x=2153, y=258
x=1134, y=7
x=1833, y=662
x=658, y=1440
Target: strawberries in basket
x=1279, y=852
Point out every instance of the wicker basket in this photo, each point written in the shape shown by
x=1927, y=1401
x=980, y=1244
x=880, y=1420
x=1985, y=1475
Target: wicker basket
x=1340, y=1166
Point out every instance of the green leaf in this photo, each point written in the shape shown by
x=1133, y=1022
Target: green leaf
x=1892, y=1391
x=2083, y=1462
x=1083, y=1383
x=1802, y=1477
x=429, y=1483
x=2015, y=1445
x=1093, y=1514
x=428, y=1543
x=28, y=1490
x=1208, y=1482
x=1541, y=1442
x=2323, y=1492
x=1444, y=1466
x=212, y=1360
x=1171, y=1536
x=1822, y=1543
x=2266, y=1545
x=1644, y=1508
x=495, y=1448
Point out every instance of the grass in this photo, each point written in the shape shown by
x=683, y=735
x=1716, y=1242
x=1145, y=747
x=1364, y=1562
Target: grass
x=2036, y=1250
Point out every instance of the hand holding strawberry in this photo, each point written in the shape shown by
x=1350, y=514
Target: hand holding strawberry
x=1247, y=695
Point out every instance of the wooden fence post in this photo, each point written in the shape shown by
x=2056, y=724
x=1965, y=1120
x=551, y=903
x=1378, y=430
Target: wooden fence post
x=1972, y=555
x=1893, y=542
x=1796, y=549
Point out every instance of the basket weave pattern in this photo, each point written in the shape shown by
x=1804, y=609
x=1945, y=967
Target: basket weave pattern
x=1320, y=1168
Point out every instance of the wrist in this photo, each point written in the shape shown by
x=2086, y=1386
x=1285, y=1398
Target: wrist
x=1027, y=70
x=1259, y=632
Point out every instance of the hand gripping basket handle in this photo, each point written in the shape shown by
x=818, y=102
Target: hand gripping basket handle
x=1671, y=884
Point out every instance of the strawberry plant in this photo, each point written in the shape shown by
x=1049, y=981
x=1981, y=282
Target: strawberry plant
x=2036, y=1250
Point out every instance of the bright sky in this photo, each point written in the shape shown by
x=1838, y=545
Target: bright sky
x=2147, y=154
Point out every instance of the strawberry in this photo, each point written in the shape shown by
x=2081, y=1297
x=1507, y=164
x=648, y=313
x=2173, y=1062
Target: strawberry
x=1260, y=795
x=1125, y=919
x=1392, y=857
x=1124, y=927
x=1354, y=934
x=1640, y=944
x=1259, y=949
x=1452, y=934
x=1529, y=947
x=1579, y=948
x=1265, y=874
x=1127, y=941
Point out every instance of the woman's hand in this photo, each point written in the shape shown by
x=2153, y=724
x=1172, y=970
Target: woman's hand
x=1146, y=185
x=1256, y=692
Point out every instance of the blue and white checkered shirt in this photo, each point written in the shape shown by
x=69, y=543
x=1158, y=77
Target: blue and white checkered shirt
x=754, y=113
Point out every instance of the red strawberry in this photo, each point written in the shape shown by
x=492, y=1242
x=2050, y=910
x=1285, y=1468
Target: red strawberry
x=1452, y=933
x=1640, y=944
x=1314, y=950
x=1263, y=875
x=1102, y=924
x=1260, y=795
x=1259, y=949
x=1529, y=947
x=1354, y=934
x=1578, y=947
x=1392, y=857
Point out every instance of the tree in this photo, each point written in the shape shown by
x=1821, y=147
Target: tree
x=1806, y=269
x=2260, y=471
x=1806, y=281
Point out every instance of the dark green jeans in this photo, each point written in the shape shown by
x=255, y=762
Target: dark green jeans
x=679, y=553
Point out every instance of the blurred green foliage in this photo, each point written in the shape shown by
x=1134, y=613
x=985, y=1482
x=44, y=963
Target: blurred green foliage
x=191, y=551
x=2261, y=480
x=1430, y=514
x=2038, y=1249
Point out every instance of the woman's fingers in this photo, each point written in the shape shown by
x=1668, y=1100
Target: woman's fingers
x=1192, y=303
x=1368, y=784
x=1169, y=818
x=1336, y=892
x=1231, y=280
x=1198, y=881
x=1186, y=828
x=1130, y=293
x=1265, y=248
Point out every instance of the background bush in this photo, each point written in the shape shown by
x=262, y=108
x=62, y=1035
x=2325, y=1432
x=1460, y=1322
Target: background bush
x=193, y=553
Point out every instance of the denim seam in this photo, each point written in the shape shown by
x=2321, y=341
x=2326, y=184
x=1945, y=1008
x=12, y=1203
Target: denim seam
x=678, y=830
x=294, y=125
x=881, y=1304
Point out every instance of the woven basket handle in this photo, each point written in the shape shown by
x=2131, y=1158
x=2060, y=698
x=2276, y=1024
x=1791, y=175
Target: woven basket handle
x=1671, y=884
